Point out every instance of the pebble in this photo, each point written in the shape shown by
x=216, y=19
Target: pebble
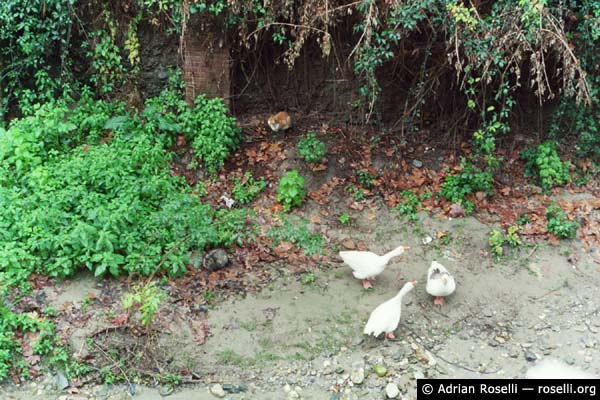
x=357, y=376
x=530, y=356
x=380, y=370
x=61, y=381
x=417, y=163
x=217, y=390
x=392, y=391
x=418, y=374
x=229, y=388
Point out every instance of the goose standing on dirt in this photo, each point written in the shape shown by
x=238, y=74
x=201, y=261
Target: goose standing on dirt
x=367, y=265
x=555, y=369
x=440, y=283
x=386, y=316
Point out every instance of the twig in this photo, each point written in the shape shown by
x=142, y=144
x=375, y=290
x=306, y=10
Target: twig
x=105, y=354
x=531, y=252
x=564, y=285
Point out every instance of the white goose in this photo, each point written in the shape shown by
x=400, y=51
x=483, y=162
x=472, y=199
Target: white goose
x=367, y=265
x=386, y=316
x=555, y=369
x=440, y=283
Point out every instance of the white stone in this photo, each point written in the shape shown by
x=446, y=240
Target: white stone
x=392, y=391
x=217, y=390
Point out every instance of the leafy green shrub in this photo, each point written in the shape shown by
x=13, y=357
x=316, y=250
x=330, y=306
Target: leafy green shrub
x=559, y=224
x=212, y=132
x=344, y=219
x=310, y=148
x=32, y=34
x=295, y=230
x=245, y=190
x=12, y=327
x=291, y=190
x=365, y=178
x=110, y=207
x=497, y=240
x=544, y=164
x=144, y=300
x=410, y=203
x=469, y=180
x=356, y=192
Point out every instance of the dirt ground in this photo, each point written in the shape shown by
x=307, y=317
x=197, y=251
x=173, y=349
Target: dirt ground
x=540, y=302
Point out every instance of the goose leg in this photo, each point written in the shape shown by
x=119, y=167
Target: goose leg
x=390, y=336
x=367, y=283
x=439, y=301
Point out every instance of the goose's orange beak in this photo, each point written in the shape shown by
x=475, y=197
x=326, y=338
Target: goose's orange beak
x=414, y=282
x=406, y=248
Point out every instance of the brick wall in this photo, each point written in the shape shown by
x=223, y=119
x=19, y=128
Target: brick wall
x=206, y=65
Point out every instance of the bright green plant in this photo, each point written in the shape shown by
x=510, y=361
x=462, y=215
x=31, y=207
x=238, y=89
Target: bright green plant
x=144, y=300
x=344, y=219
x=310, y=148
x=559, y=224
x=523, y=219
x=13, y=326
x=246, y=189
x=295, y=230
x=411, y=203
x=365, y=178
x=512, y=236
x=544, y=164
x=356, y=192
x=497, y=240
x=468, y=180
x=34, y=35
x=212, y=132
x=69, y=200
x=291, y=190
x=309, y=279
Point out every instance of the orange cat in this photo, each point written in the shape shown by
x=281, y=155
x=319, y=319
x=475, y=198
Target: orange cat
x=280, y=121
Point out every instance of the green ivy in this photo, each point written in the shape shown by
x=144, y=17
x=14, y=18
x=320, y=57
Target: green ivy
x=310, y=148
x=544, y=164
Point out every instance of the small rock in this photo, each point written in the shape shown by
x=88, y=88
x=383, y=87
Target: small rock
x=217, y=390
x=391, y=390
x=61, y=381
x=418, y=374
x=162, y=75
x=349, y=244
x=427, y=240
x=229, y=388
x=529, y=356
x=339, y=370
x=500, y=339
x=357, y=376
x=287, y=388
x=101, y=392
x=380, y=370
x=417, y=163
x=216, y=259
